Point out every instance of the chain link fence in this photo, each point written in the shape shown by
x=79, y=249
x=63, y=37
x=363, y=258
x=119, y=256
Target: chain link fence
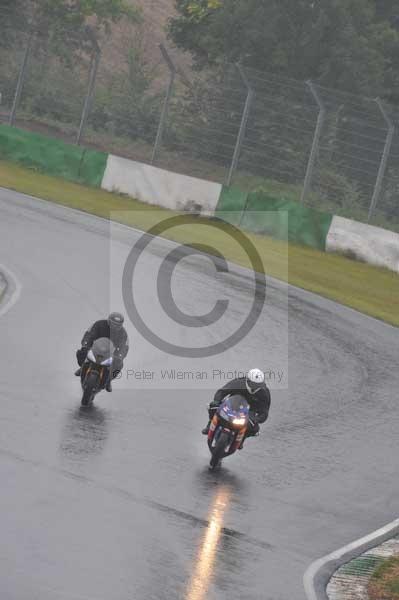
x=328, y=149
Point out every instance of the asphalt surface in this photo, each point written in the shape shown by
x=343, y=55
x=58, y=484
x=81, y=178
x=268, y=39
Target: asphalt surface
x=117, y=503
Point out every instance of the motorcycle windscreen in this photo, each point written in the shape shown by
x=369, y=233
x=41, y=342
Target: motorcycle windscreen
x=102, y=349
x=235, y=406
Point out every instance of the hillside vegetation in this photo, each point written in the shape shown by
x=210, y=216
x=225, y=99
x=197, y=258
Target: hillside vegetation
x=345, y=47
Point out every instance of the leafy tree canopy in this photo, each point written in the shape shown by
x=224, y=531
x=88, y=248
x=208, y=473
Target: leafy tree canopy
x=78, y=23
x=349, y=44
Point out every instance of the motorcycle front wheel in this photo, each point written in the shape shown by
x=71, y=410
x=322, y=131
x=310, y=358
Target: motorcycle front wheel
x=89, y=391
x=219, y=449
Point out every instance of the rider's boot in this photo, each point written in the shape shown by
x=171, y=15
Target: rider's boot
x=205, y=431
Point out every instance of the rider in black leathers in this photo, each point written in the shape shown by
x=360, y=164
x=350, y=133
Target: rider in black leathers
x=254, y=390
x=111, y=328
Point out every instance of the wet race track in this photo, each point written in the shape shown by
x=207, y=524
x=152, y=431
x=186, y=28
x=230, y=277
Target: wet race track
x=116, y=502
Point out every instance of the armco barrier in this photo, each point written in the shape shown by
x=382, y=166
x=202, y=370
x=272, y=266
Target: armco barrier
x=367, y=243
x=52, y=156
x=157, y=186
x=283, y=219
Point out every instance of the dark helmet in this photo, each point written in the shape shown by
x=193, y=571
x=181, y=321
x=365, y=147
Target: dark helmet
x=115, y=320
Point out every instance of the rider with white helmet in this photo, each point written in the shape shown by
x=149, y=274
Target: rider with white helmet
x=254, y=380
x=253, y=388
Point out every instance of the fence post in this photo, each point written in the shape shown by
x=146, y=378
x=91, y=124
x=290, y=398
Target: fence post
x=315, y=143
x=21, y=80
x=333, y=137
x=243, y=125
x=95, y=61
x=384, y=159
x=165, y=108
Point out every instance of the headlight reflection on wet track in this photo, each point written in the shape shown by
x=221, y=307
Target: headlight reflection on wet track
x=205, y=559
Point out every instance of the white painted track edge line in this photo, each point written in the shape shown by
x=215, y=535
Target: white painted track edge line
x=3, y=286
x=318, y=574
x=13, y=284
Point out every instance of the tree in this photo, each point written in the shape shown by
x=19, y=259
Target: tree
x=77, y=23
x=386, y=10
x=12, y=19
x=339, y=43
x=128, y=105
x=64, y=36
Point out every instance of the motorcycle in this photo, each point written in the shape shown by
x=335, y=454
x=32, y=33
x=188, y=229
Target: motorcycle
x=96, y=369
x=227, y=428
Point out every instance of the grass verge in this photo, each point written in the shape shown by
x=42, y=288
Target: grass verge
x=185, y=162
x=384, y=583
x=368, y=289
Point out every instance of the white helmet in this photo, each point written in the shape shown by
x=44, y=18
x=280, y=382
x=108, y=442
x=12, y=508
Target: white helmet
x=254, y=380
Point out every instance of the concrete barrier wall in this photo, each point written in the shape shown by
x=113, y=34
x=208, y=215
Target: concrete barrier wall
x=370, y=244
x=157, y=186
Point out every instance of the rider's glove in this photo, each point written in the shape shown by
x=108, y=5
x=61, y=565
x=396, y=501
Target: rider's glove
x=216, y=402
x=253, y=418
x=81, y=355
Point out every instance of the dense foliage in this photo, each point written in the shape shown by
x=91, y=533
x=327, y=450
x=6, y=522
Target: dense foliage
x=349, y=44
x=77, y=23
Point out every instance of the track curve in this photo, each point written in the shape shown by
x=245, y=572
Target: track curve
x=90, y=509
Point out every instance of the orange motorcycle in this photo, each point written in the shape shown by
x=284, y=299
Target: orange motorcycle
x=228, y=427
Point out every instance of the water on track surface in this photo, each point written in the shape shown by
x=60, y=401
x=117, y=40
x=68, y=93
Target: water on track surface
x=116, y=503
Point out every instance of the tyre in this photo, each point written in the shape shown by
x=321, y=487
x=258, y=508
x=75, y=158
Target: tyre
x=89, y=389
x=219, y=449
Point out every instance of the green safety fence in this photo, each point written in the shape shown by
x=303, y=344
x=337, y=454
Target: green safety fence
x=52, y=156
x=280, y=218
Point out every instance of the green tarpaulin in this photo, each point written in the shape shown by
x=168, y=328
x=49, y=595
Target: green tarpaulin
x=52, y=156
x=282, y=219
